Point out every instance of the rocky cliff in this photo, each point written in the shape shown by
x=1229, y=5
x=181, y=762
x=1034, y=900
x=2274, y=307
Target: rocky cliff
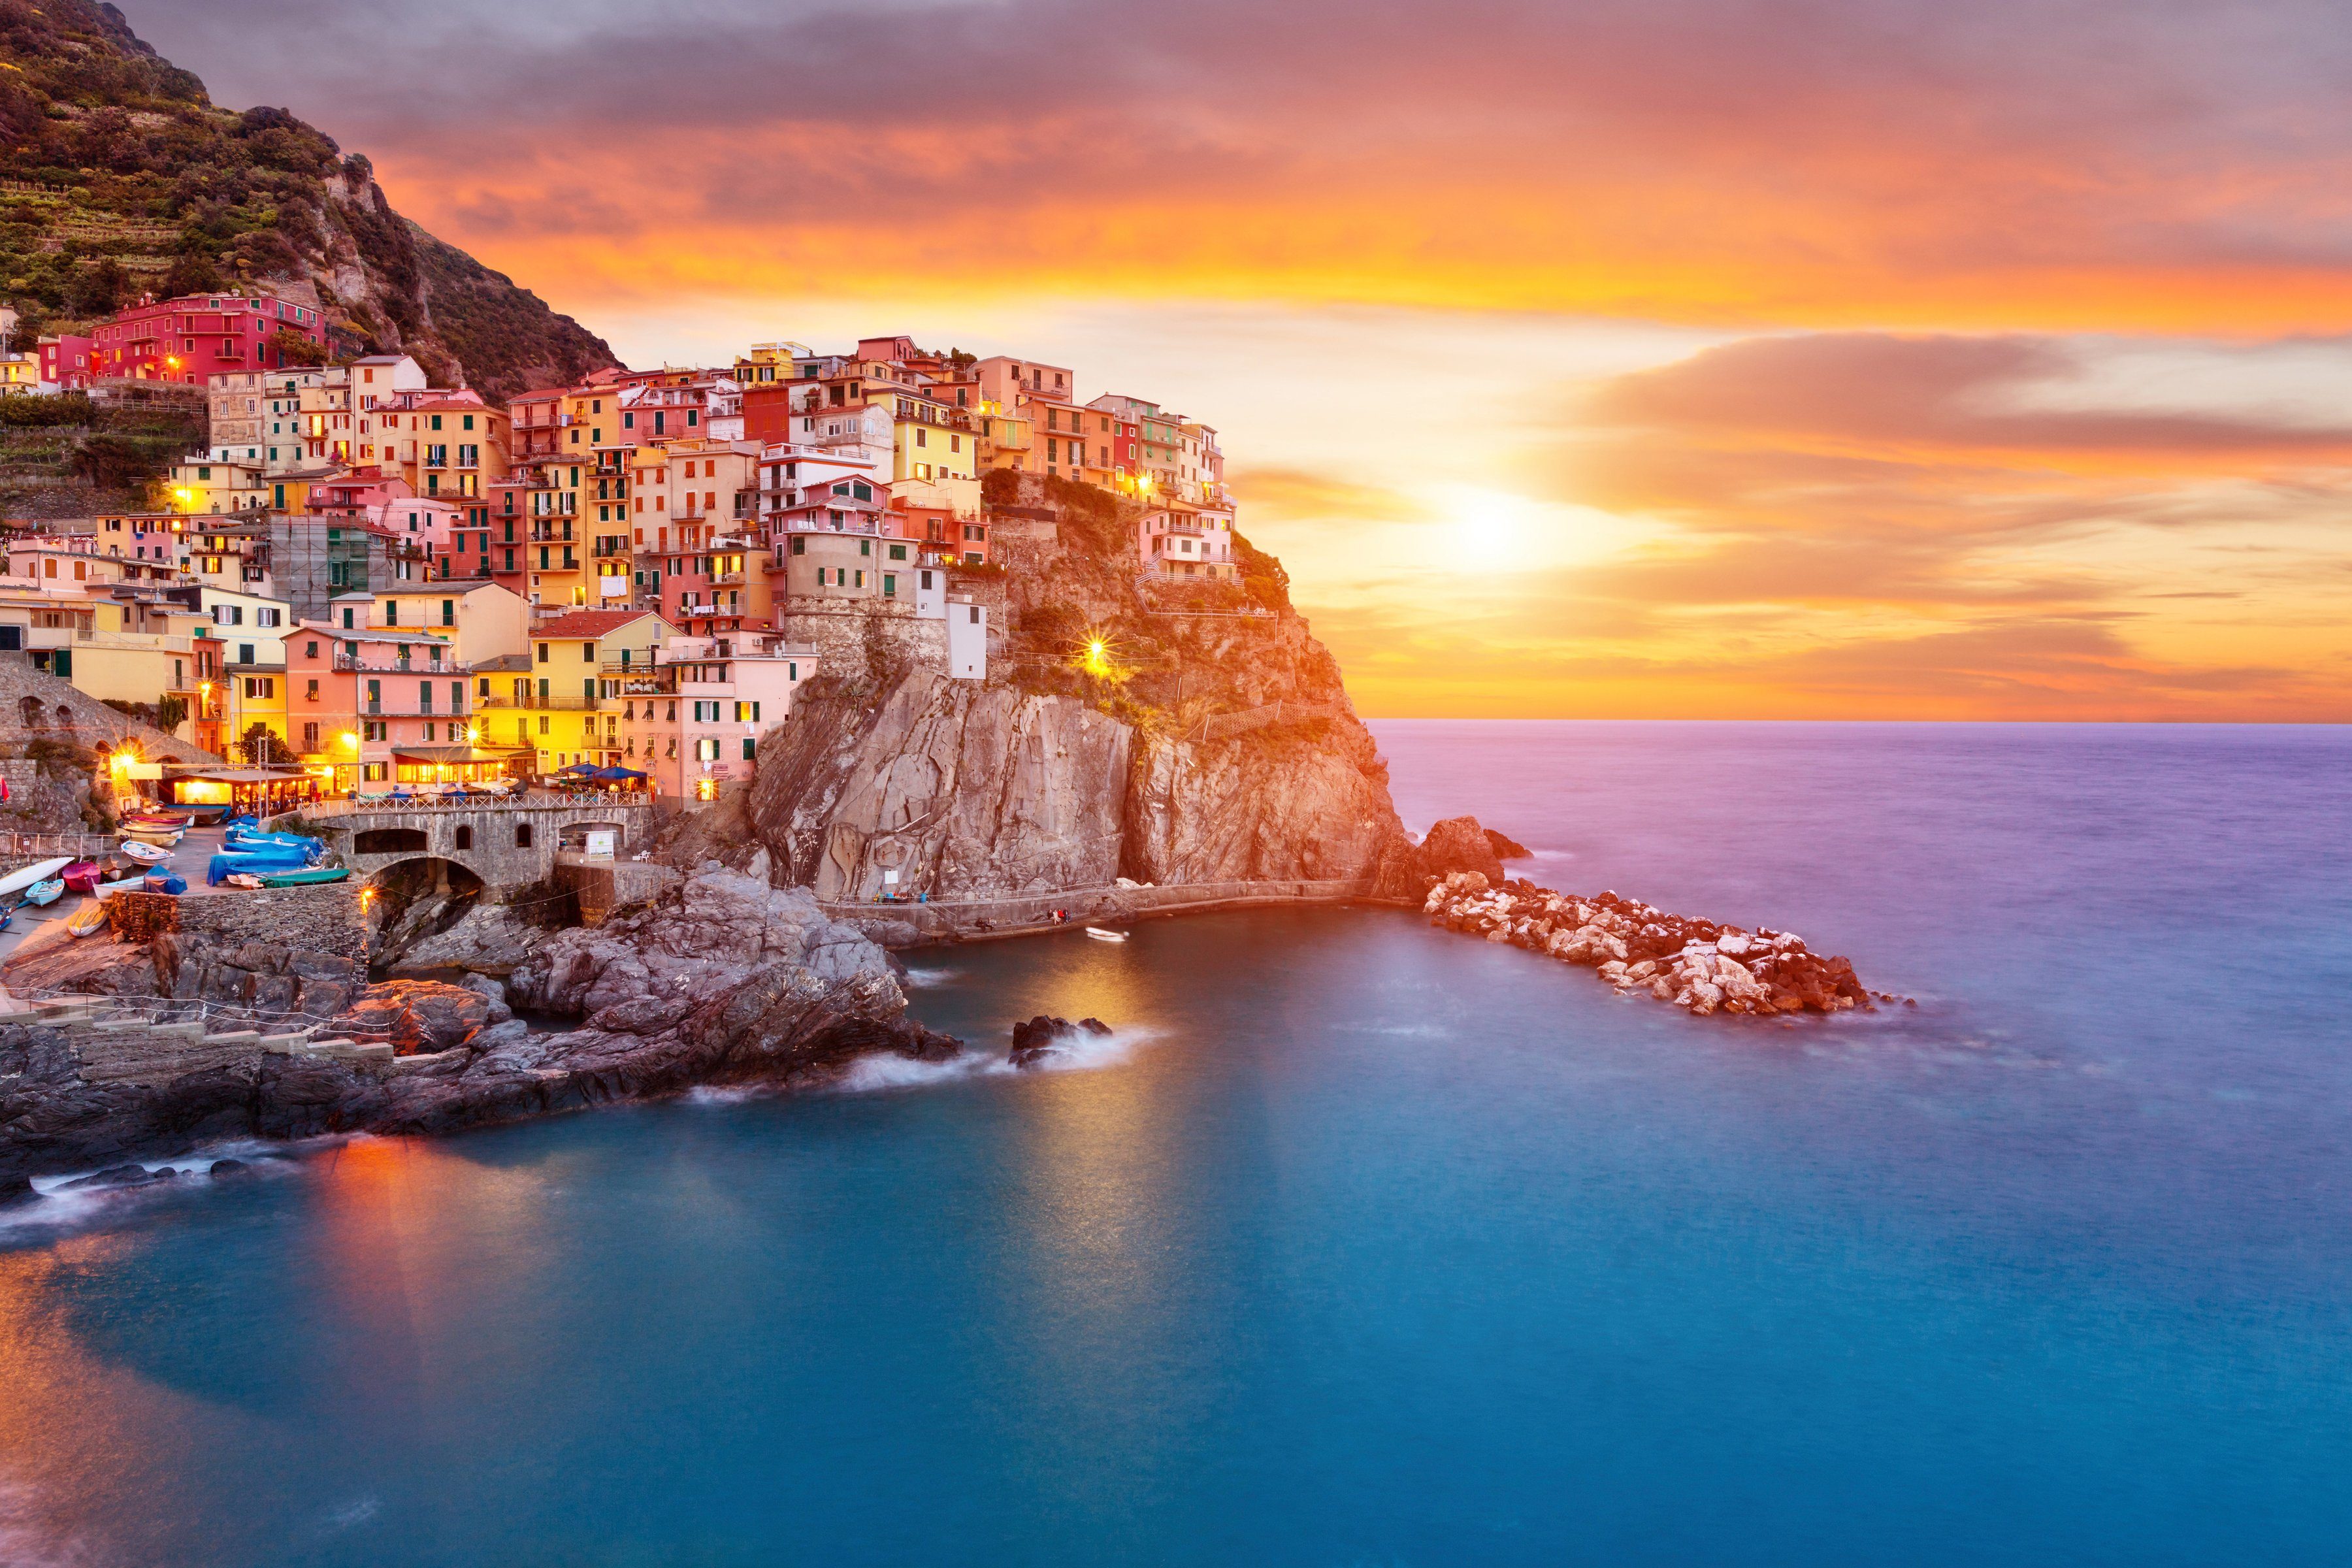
x=123, y=177
x=1165, y=734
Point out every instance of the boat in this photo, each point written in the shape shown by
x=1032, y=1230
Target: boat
x=203, y=816
x=155, y=820
x=38, y=871
x=167, y=836
x=82, y=876
x=304, y=876
x=247, y=880
x=144, y=853
x=86, y=921
x=220, y=868
x=1101, y=935
x=239, y=842
x=44, y=894
x=135, y=882
x=166, y=881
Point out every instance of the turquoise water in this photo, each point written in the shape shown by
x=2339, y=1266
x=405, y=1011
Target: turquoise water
x=1361, y=1243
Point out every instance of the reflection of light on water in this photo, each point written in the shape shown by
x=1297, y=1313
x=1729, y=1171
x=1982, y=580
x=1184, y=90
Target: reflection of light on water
x=81, y=1436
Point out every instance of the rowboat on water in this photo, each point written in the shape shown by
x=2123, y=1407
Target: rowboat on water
x=144, y=853
x=303, y=878
x=38, y=871
x=45, y=893
x=1101, y=935
x=86, y=921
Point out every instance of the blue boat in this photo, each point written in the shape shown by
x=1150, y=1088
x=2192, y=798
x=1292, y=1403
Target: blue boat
x=46, y=892
x=166, y=882
x=224, y=865
x=240, y=840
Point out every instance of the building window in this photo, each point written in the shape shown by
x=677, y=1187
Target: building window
x=522, y=835
x=464, y=837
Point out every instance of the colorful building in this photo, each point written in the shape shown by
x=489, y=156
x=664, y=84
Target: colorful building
x=197, y=336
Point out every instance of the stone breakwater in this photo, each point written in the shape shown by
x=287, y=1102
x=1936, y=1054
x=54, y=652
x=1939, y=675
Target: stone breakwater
x=1699, y=964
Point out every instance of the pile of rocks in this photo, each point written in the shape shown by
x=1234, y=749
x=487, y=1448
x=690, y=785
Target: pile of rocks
x=1694, y=964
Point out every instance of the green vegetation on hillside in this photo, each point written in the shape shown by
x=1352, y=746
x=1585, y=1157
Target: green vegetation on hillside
x=119, y=176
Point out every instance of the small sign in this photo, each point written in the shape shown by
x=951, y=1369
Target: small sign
x=603, y=842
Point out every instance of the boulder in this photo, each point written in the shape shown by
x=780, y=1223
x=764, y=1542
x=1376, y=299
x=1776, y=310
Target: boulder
x=120, y=1176
x=1043, y=1037
x=1459, y=844
x=221, y=1168
x=1506, y=848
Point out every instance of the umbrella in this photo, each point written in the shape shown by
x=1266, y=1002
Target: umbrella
x=614, y=775
x=583, y=769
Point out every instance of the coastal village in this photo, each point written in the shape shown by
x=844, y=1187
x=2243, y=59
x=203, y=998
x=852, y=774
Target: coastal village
x=362, y=583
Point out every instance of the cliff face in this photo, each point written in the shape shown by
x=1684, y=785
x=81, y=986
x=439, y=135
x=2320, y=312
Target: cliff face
x=1211, y=741
x=129, y=180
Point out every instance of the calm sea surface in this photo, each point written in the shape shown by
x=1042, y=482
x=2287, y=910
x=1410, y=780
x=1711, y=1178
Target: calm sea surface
x=1363, y=1243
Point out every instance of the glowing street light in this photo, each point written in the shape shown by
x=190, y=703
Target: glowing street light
x=350, y=740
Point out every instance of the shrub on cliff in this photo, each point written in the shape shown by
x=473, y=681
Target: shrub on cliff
x=1262, y=577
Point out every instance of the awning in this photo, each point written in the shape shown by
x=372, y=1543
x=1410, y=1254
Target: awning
x=242, y=776
x=449, y=755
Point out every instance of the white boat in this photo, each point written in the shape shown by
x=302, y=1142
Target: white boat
x=38, y=871
x=1101, y=935
x=145, y=854
x=136, y=882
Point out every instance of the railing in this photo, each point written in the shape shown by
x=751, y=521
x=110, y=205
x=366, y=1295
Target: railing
x=1218, y=726
x=49, y=845
x=346, y=663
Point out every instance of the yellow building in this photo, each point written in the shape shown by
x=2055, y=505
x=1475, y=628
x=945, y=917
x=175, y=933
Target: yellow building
x=933, y=448
x=254, y=693
x=124, y=651
x=580, y=665
x=204, y=485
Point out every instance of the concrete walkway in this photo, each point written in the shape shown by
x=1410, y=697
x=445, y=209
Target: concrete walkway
x=194, y=852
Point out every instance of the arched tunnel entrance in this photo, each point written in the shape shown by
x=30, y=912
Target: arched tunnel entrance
x=415, y=899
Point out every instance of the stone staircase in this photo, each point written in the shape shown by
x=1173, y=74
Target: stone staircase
x=118, y=1045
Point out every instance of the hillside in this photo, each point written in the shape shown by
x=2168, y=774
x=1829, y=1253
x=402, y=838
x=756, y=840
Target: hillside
x=119, y=176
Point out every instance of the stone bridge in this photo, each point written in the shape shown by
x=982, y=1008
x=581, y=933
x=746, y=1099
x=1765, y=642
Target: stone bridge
x=508, y=844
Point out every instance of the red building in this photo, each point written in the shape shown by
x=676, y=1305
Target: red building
x=67, y=362
x=198, y=336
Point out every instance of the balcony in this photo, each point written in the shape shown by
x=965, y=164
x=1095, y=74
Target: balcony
x=346, y=664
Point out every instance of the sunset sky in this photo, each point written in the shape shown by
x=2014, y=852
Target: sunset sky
x=1666, y=358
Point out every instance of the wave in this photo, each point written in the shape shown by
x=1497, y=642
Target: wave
x=58, y=1208
x=1081, y=1053
x=25, y=1540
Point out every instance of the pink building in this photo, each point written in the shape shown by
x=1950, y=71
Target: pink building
x=694, y=724
x=381, y=706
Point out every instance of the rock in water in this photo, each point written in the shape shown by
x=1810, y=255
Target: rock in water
x=1506, y=847
x=14, y=1189
x=120, y=1176
x=1043, y=1037
x=1459, y=844
x=227, y=1168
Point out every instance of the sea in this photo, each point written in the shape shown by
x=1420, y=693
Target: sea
x=1357, y=1244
